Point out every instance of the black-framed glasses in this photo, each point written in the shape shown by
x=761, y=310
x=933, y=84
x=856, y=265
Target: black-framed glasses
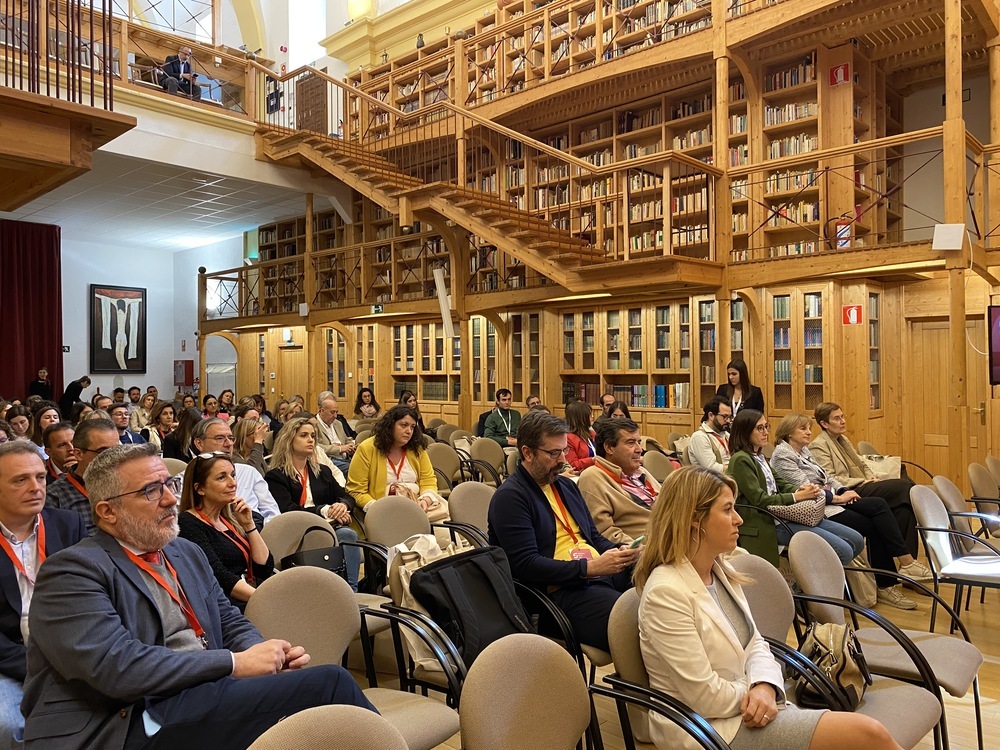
x=154, y=490
x=97, y=451
x=556, y=453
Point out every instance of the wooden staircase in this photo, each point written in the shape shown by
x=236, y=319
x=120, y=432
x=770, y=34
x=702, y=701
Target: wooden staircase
x=552, y=252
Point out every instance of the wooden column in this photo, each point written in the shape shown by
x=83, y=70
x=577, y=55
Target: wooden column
x=466, y=375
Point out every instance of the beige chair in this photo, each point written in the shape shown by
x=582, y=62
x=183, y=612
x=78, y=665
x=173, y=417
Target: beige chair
x=175, y=466
x=447, y=466
x=444, y=432
x=394, y=519
x=460, y=434
x=470, y=503
x=332, y=728
x=867, y=449
x=993, y=466
x=985, y=494
x=435, y=423
x=364, y=424
x=488, y=452
x=954, y=662
x=961, y=516
x=671, y=438
x=315, y=608
x=686, y=456
x=907, y=711
x=507, y=684
x=513, y=459
x=363, y=435
x=658, y=465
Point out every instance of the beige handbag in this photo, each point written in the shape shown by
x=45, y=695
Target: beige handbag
x=884, y=467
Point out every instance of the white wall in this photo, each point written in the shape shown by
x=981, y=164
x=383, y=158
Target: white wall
x=85, y=263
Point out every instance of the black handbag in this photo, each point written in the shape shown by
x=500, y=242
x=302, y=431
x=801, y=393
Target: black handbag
x=330, y=558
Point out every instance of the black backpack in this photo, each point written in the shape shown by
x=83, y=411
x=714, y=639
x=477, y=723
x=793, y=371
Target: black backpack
x=471, y=596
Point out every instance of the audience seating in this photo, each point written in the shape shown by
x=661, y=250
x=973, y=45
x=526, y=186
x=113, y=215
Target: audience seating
x=325, y=622
x=993, y=466
x=658, y=465
x=363, y=434
x=509, y=682
x=447, y=467
x=470, y=504
x=457, y=435
x=954, y=662
x=444, y=433
x=867, y=449
x=907, y=711
x=671, y=440
x=985, y=495
x=961, y=517
x=364, y=424
x=513, y=459
x=493, y=456
x=175, y=466
x=332, y=728
x=435, y=423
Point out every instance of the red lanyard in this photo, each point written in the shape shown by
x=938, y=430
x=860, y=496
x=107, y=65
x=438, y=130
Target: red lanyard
x=723, y=443
x=16, y=560
x=564, y=521
x=178, y=596
x=72, y=480
x=241, y=542
x=51, y=468
x=397, y=470
x=304, y=481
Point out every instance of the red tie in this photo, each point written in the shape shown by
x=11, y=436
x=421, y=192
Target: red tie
x=151, y=557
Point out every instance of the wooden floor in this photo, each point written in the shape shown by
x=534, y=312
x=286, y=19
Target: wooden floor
x=983, y=622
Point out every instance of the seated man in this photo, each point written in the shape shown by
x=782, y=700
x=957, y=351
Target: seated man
x=58, y=442
x=133, y=639
x=709, y=446
x=92, y=437
x=619, y=495
x=31, y=532
x=178, y=74
x=542, y=524
x=118, y=412
x=501, y=426
x=215, y=434
x=330, y=434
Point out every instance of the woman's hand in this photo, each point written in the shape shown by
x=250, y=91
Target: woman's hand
x=260, y=432
x=338, y=512
x=244, y=516
x=846, y=497
x=759, y=706
x=425, y=503
x=808, y=492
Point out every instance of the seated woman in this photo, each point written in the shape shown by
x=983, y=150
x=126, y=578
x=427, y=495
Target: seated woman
x=366, y=407
x=210, y=406
x=80, y=411
x=219, y=522
x=742, y=394
x=619, y=410
x=793, y=463
x=758, y=486
x=298, y=482
x=160, y=423
x=178, y=443
x=19, y=419
x=248, y=435
x=698, y=638
x=835, y=453
x=393, y=461
x=580, y=438
x=409, y=398
x=45, y=415
x=138, y=420
x=227, y=403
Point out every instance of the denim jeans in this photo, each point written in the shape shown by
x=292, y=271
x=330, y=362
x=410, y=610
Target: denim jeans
x=846, y=542
x=11, y=720
x=352, y=556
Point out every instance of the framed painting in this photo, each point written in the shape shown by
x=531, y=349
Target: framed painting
x=117, y=329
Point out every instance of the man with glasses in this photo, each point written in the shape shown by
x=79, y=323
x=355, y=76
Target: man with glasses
x=134, y=641
x=29, y=532
x=619, y=494
x=542, y=523
x=178, y=75
x=119, y=415
x=709, y=446
x=92, y=437
x=215, y=436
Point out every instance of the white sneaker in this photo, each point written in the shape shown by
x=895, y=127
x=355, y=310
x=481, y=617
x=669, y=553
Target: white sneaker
x=917, y=571
x=892, y=596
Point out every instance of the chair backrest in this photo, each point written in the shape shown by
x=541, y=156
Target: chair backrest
x=435, y=423
x=931, y=513
x=364, y=424
x=686, y=455
x=444, y=432
x=283, y=533
x=363, y=435
x=626, y=653
x=512, y=461
x=458, y=435
x=954, y=502
x=175, y=466
x=658, y=465
x=445, y=458
x=819, y=572
x=767, y=594
x=394, y=519
x=310, y=607
x=993, y=466
x=490, y=452
x=767, y=451
x=867, y=449
x=671, y=438
x=508, y=681
x=268, y=442
x=983, y=484
x=333, y=727
x=469, y=502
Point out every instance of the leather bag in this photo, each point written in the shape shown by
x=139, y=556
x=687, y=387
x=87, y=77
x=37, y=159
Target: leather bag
x=804, y=512
x=836, y=651
x=330, y=558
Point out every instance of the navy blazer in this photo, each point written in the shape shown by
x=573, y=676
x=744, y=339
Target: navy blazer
x=97, y=644
x=63, y=528
x=521, y=521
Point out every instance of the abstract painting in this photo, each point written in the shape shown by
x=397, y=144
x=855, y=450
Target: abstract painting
x=117, y=329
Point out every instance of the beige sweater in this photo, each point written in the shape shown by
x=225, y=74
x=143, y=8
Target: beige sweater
x=616, y=515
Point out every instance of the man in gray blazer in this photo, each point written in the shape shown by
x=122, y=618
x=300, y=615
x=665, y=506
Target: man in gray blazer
x=134, y=645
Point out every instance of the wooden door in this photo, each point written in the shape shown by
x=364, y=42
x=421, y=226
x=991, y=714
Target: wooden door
x=294, y=372
x=925, y=402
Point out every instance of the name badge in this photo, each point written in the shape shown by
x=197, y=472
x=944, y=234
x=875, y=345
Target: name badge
x=578, y=553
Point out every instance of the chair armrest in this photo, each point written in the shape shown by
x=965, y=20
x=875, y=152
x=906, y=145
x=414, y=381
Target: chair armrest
x=916, y=466
x=527, y=595
x=810, y=671
x=376, y=564
x=478, y=465
x=919, y=662
x=962, y=535
x=475, y=536
x=441, y=475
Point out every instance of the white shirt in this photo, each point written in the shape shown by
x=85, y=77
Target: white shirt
x=27, y=553
x=330, y=431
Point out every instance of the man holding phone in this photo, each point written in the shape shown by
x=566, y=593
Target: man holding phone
x=619, y=494
x=179, y=75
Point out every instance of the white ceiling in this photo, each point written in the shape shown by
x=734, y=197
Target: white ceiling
x=128, y=200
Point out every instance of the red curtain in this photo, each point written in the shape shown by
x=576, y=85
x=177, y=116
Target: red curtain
x=30, y=306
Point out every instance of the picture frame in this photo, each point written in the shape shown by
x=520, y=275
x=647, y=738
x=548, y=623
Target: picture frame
x=117, y=329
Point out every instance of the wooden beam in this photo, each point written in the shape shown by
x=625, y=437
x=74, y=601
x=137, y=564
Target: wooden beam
x=987, y=13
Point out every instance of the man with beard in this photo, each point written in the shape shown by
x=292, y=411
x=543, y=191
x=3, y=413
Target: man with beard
x=134, y=645
x=540, y=520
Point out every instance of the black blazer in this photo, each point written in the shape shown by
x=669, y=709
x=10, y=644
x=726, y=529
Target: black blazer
x=755, y=399
x=172, y=68
x=172, y=449
x=63, y=528
x=522, y=523
x=347, y=426
x=287, y=490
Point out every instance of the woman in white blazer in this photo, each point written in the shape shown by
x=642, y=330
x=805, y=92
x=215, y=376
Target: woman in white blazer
x=699, y=642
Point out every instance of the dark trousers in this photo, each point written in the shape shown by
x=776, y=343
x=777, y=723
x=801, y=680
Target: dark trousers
x=871, y=517
x=896, y=493
x=588, y=607
x=229, y=714
x=173, y=85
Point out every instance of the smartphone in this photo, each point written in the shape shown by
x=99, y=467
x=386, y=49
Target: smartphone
x=636, y=542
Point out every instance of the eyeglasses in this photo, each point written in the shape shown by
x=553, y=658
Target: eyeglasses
x=555, y=453
x=154, y=490
x=763, y=428
x=222, y=439
x=97, y=451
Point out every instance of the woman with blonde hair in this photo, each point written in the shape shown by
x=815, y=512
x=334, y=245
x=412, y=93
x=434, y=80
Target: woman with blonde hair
x=139, y=419
x=160, y=423
x=698, y=638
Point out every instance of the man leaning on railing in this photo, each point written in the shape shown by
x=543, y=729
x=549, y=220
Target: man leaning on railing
x=178, y=74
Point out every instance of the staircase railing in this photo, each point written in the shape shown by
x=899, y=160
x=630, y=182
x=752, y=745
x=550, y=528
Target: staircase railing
x=619, y=202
